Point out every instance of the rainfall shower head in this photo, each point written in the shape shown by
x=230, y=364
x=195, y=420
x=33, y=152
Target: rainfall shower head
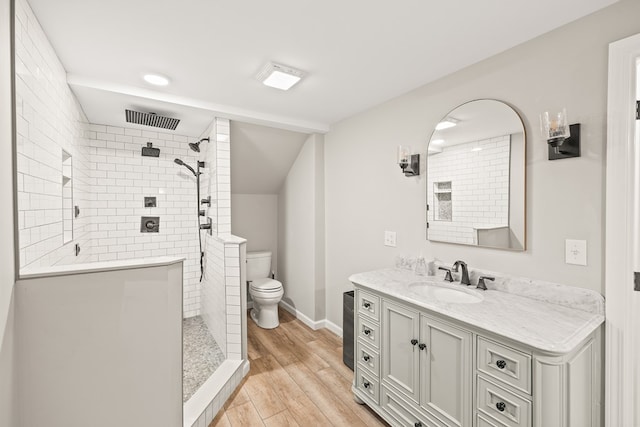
x=195, y=146
x=181, y=163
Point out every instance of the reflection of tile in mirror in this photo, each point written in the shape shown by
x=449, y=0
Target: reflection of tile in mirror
x=442, y=201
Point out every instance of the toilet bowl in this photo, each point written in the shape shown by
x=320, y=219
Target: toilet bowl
x=265, y=292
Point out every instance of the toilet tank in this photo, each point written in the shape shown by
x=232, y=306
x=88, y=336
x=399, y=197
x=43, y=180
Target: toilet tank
x=258, y=265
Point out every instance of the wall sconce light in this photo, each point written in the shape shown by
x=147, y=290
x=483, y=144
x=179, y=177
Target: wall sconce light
x=409, y=163
x=563, y=139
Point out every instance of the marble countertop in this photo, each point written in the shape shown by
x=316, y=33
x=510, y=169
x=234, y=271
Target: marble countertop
x=543, y=322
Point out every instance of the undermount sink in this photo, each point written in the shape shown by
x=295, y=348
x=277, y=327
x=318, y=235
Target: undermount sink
x=444, y=293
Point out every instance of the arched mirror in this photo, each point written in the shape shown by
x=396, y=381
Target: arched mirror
x=476, y=177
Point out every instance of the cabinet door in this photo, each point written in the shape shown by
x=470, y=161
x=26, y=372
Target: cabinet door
x=400, y=353
x=446, y=375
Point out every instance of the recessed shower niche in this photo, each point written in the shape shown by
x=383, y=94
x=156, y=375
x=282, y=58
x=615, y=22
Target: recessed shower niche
x=67, y=198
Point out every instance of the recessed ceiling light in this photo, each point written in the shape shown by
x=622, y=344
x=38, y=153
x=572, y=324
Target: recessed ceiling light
x=476, y=149
x=279, y=76
x=156, y=79
x=438, y=141
x=446, y=123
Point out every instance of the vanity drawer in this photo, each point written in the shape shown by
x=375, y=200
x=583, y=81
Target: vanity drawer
x=487, y=422
x=404, y=413
x=369, y=332
x=504, y=363
x=368, y=304
x=503, y=405
x=368, y=358
x=368, y=384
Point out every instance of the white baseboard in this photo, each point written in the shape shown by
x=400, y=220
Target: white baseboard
x=313, y=324
x=333, y=327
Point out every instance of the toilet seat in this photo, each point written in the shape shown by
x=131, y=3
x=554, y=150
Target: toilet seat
x=265, y=285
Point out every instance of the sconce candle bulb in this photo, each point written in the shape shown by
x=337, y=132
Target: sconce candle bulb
x=555, y=128
x=409, y=163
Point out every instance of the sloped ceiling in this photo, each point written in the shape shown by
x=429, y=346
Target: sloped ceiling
x=261, y=157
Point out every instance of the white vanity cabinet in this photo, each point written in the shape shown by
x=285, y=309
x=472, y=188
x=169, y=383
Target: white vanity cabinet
x=417, y=367
x=427, y=362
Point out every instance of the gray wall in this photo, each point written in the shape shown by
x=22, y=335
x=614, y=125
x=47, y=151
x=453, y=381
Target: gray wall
x=255, y=217
x=366, y=193
x=301, y=232
x=7, y=260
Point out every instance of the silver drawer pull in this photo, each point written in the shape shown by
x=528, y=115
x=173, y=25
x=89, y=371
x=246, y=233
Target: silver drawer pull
x=366, y=357
x=501, y=364
x=367, y=331
x=501, y=406
x=366, y=384
x=366, y=304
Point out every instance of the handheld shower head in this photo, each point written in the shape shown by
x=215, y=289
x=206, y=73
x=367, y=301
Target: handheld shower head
x=195, y=146
x=181, y=163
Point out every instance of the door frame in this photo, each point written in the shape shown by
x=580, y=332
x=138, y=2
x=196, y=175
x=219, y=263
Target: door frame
x=622, y=375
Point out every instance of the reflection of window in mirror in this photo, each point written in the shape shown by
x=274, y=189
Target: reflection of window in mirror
x=443, y=210
x=67, y=198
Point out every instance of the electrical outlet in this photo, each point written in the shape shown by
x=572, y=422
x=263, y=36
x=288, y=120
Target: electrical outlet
x=390, y=238
x=575, y=252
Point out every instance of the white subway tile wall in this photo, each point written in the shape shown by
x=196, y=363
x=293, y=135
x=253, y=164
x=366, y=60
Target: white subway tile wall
x=121, y=178
x=48, y=121
x=223, y=175
x=221, y=289
x=479, y=188
x=233, y=299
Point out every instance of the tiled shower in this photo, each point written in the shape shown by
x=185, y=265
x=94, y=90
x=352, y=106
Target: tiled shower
x=111, y=185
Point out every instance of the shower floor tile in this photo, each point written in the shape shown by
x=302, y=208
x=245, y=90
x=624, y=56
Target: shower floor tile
x=201, y=355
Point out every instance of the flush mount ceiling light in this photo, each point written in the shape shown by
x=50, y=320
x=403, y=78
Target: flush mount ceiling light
x=448, y=122
x=279, y=76
x=156, y=79
x=437, y=141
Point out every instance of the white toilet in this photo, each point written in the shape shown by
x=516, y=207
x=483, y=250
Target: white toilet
x=265, y=291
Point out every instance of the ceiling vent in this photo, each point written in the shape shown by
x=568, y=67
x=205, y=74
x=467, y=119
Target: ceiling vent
x=151, y=119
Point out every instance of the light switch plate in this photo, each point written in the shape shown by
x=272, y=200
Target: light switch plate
x=390, y=238
x=575, y=252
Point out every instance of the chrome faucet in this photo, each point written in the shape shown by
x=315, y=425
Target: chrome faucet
x=464, y=280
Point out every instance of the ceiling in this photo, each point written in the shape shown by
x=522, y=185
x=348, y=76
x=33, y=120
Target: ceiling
x=357, y=53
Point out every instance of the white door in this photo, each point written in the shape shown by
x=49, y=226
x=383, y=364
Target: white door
x=445, y=371
x=400, y=354
x=622, y=287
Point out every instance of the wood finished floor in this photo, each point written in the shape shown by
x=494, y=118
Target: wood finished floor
x=297, y=378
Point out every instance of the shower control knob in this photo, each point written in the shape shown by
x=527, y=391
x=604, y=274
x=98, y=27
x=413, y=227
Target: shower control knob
x=501, y=364
x=150, y=225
